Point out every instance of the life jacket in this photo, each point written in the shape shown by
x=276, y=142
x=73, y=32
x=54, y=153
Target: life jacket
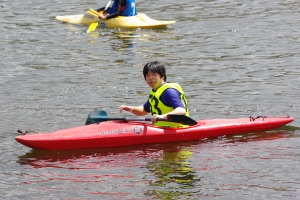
x=128, y=10
x=159, y=108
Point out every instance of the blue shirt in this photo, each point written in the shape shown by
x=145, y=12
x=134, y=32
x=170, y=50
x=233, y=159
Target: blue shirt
x=123, y=8
x=171, y=98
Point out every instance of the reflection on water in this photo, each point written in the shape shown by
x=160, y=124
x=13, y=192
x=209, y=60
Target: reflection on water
x=174, y=174
x=126, y=43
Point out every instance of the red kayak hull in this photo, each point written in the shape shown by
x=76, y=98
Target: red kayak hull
x=115, y=133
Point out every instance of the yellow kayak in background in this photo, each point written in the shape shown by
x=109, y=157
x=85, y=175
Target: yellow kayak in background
x=141, y=20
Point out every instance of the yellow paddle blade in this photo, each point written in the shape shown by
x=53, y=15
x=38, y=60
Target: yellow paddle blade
x=92, y=27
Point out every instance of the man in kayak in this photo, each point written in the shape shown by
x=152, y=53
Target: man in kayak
x=164, y=99
x=119, y=8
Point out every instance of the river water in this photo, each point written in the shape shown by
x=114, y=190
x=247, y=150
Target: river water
x=232, y=58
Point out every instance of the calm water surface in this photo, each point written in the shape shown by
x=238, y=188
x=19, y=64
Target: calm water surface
x=233, y=59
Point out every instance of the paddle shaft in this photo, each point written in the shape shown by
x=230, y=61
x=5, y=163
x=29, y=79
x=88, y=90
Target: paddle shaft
x=94, y=25
x=128, y=119
x=104, y=10
x=101, y=116
x=107, y=6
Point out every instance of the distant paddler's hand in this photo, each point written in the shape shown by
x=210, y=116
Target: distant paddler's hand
x=126, y=108
x=155, y=116
x=102, y=16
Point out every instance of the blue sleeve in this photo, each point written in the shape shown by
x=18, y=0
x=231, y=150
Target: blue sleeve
x=147, y=106
x=171, y=97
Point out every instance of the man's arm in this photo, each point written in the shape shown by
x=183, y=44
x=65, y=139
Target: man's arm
x=117, y=10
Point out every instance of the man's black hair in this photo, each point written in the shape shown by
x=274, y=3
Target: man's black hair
x=155, y=67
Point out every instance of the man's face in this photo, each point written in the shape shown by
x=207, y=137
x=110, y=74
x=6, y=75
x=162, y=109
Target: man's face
x=154, y=80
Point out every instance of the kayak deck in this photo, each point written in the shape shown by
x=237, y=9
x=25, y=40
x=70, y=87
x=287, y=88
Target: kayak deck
x=141, y=20
x=118, y=133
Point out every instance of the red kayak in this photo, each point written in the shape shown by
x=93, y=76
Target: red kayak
x=124, y=133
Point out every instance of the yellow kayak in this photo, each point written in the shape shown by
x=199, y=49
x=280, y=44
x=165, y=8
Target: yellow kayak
x=139, y=21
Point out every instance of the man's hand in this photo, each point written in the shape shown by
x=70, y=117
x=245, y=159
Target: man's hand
x=102, y=16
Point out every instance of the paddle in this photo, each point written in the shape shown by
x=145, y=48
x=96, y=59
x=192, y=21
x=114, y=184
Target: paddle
x=101, y=116
x=94, y=25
